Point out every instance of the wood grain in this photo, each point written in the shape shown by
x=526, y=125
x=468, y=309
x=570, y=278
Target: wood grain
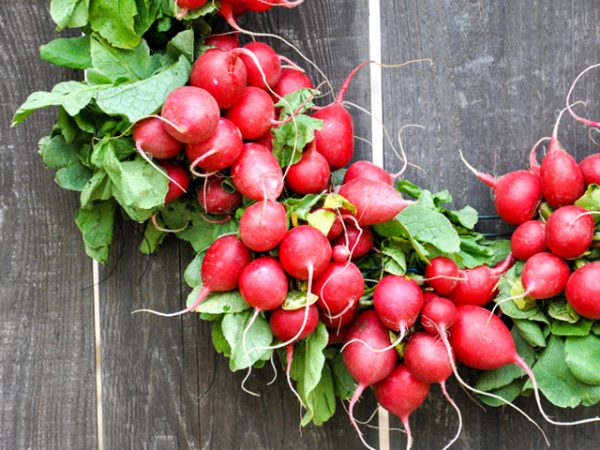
x=47, y=397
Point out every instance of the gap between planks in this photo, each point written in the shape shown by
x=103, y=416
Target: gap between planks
x=383, y=417
x=98, y=353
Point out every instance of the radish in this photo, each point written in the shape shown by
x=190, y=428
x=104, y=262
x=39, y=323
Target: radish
x=291, y=80
x=442, y=275
x=544, y=276
x=366, y=169
x=438, y=314
x=186, y=5
x=342, y=321
x=263, y=226
x=562, y=179
x=254, y=114
x=517, y=194
x=528, y=239
x=222, y=74
x=264, y=284
x=222, y=266
x=337, y=228
x=398, y=302
x=305, y=253
x=356, y=241
x=266, y=141
x=401, y=394
x=590, y=167
x=479, y=285
x=219, y=151
x=375, y=202
x=265, y=5
x=482, y=341
x=569, y=231
x=310, y=175
x=339, y=289
x=426, y=358
x=150, y=137
x=337, y=335
x=257, y=174
x=364, y=365
x=341, y=253
x=190, y=114
x=179, y=180
x=223, y=42
x=230, y=9
x=268, y=68
x=214, y=199
x=583, y=291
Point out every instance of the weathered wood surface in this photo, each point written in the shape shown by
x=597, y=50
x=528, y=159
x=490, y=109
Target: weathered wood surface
x=47, y=396
x=500, y=72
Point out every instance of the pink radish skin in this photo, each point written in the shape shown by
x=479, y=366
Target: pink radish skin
x=191, y=4
x=366, y=366
x=339, y=288
x=442, y=274
x=285, y=324
x=342, y=321
x=590, y=167
x=178, y=178
x=216, y=200
x=528, y=239
x=401, y=394
x=150, y=136
x=305, y=252
x=438, y=314
x=426, y=358
x=337, y=335
x=263, y=225
x=569, y=231
x=341, y=253
x=219, y=151
x=253, y=114
x=583, y=291
x=191, y=114
x=375, y=202
x=270, y=65
x=222, y=74
x=310, y=175
x=336, y=229
x=398, y=302
x=544, y=276
x=357, y=243
x=225, y=42
x=257, y=174
x=266, y=141
x=366, y=169
x=291, y=80
x=264, y=284
x=479, y=284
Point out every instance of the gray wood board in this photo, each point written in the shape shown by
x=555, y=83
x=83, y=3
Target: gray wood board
x=47, y=391
x=501, y=72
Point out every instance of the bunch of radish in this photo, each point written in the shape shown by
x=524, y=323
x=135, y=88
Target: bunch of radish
x=231, y=9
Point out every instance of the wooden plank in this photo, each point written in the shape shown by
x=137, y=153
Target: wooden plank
x=501, y=71
x=46, y=336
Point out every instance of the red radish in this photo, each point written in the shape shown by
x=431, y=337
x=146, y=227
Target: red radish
x=442, y=274
x=219, y=151
x=357, y=241
x=265, y=5
x=339, y=289
x=291, y=80
x=479, y=284
x=269, y=65
x=263, y=225
x=221, y=74
x=401, y=394
x=398, y=302
x=337, y=335
x=426, y=358
x=569, y=231
x=366, y=366
x=342, y=321
x=150, y=137
x=253, y=114
x=222, y=266
x=341, y=253
x=186, y=5
x=438, y=314
x=528, y=239
x=583, y=291
x=190, y=114
x=517, y=194
x=562, y=179
x=482, y=341
x=257, y=174
x=230, y=9
x=305, y=253
x=336, y=229
x=366, y=169
x=214, y=199
x=178, y=180
x=223, y=42
x=310, y=175
x=590, y=167
x=375, y=202
x=266, y=141
x=264, y=284
x=544, y=276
